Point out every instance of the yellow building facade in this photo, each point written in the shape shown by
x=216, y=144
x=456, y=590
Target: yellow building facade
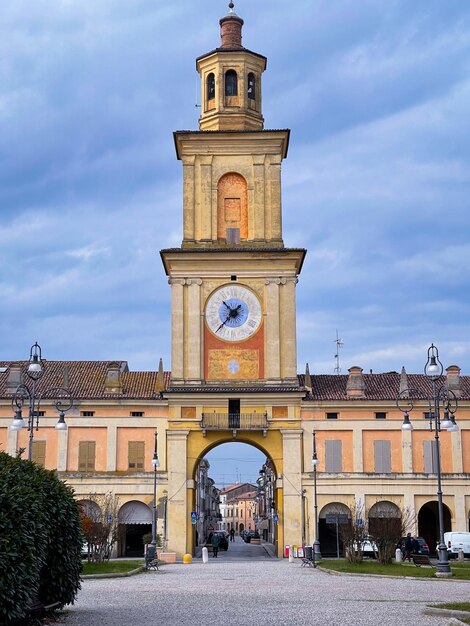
x=234, y=363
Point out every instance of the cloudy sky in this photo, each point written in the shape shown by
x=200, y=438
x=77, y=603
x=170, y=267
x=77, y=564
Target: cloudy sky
x=376, y=184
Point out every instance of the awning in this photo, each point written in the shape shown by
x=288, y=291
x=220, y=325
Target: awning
x=263, y=525
x=135, y=512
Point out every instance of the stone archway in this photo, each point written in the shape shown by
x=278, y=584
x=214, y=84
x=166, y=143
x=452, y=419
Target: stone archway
x=135, y=521
x=329, y=518
x=428, y=523
x=384, y=519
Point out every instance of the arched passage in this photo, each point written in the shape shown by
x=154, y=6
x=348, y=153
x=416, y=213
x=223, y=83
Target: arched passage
x=384, y=519
x=329, y=519
x=135, y=521
x=243, y=475
x=428, y=523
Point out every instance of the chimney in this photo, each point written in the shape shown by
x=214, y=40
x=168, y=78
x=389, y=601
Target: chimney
x=15, y=377
x=453, y=380
x=231, y=29
x=356, y=385
x=113, y=382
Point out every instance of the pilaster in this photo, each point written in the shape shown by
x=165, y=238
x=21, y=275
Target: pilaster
x=272, y=350
x=177, y=327
x=62, y=445
x=111, y=455
x=407, y=451
x=292, y=486
x=193, y=341
x=177, y=511
x=288, y=332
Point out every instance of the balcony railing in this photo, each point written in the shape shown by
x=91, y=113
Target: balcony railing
x=234, y=421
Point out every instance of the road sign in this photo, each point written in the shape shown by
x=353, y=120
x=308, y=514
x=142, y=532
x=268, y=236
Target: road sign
x=276, y=517
x=193, y=517
x=109, y=518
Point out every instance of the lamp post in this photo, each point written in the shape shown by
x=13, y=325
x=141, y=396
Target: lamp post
x=316, y=543
x=440, y=396
x=155, y=465
x=61, y=398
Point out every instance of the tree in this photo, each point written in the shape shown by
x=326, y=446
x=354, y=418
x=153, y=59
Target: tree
x=40, y=539
x=353, y=533
x=100, y=524
x=388, y=526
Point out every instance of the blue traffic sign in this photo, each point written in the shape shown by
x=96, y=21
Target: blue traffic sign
x=193, y=517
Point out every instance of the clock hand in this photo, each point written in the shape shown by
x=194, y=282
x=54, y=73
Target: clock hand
x=223, y=323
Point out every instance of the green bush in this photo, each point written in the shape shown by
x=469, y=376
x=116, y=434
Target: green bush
x=40, y=539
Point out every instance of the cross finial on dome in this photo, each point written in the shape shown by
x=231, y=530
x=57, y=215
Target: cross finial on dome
x=231, y=6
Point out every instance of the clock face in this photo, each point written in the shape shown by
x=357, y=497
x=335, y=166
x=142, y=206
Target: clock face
x=233, y=313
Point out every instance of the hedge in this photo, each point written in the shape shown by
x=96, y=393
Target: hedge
x=40, y=539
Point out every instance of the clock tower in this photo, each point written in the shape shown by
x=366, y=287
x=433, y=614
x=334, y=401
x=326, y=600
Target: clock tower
x=232, y=280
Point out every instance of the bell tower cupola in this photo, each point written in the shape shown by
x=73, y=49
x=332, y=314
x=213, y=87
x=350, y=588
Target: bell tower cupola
x=231, y=81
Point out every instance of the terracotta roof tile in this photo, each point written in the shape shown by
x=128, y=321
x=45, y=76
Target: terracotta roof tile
x=86, y=380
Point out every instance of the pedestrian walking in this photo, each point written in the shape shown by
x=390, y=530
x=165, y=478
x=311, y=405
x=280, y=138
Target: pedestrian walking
x=408, y=547
x=232, y=535
x=215, y=544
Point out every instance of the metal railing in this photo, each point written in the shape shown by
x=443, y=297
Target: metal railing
x=234, y=421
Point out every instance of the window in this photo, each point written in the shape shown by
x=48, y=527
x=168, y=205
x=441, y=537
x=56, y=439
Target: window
x=87, y=413
x=136, y=452
x=86, y=456
x=380, y=416
x=137, y=413
x=39, y=413
x=430, y=457
x=382, y=457
x=231, y=83
x=332, y=416
x=251, y=86
x=427, y=415
x=333, y=455
x=210, y=86
x=39, y=452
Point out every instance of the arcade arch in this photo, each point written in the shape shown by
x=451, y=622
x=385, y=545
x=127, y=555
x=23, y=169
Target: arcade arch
x=246, y=475
x=428, y=523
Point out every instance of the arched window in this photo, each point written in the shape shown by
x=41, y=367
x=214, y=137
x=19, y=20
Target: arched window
x=231, y=83
x=232, y=205
x=210, y=86
x=251, y=86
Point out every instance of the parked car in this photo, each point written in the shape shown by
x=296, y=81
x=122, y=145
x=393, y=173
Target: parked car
x=223, y=545
x=423, y=546
x=368, y=547
x=456, y=541
x=249, y=535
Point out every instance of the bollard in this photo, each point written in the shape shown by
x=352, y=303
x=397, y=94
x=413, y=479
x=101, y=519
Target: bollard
x=205, y=555
x=187, y=558
x=398, y=556
x=291, y=554
x=461, y=555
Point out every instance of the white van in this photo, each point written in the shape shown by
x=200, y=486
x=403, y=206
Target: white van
x=457, y=541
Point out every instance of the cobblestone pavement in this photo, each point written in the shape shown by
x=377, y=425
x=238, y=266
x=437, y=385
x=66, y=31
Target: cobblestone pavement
x=270, y=592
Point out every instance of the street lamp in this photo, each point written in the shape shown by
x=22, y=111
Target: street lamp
x=155, y=465
x=30, y=395
x=440, y=396
x=316, y=543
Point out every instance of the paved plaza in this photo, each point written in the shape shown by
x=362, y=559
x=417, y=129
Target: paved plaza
x=258, y=592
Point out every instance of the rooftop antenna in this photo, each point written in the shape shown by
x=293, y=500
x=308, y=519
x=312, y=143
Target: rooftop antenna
x=339, y=344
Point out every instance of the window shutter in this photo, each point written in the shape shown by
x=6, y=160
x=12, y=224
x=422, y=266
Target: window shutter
x=333, y=454
x=136, y=452
x=430, y=457
x=382, y=457
x=86, y=456
x=39, y=452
